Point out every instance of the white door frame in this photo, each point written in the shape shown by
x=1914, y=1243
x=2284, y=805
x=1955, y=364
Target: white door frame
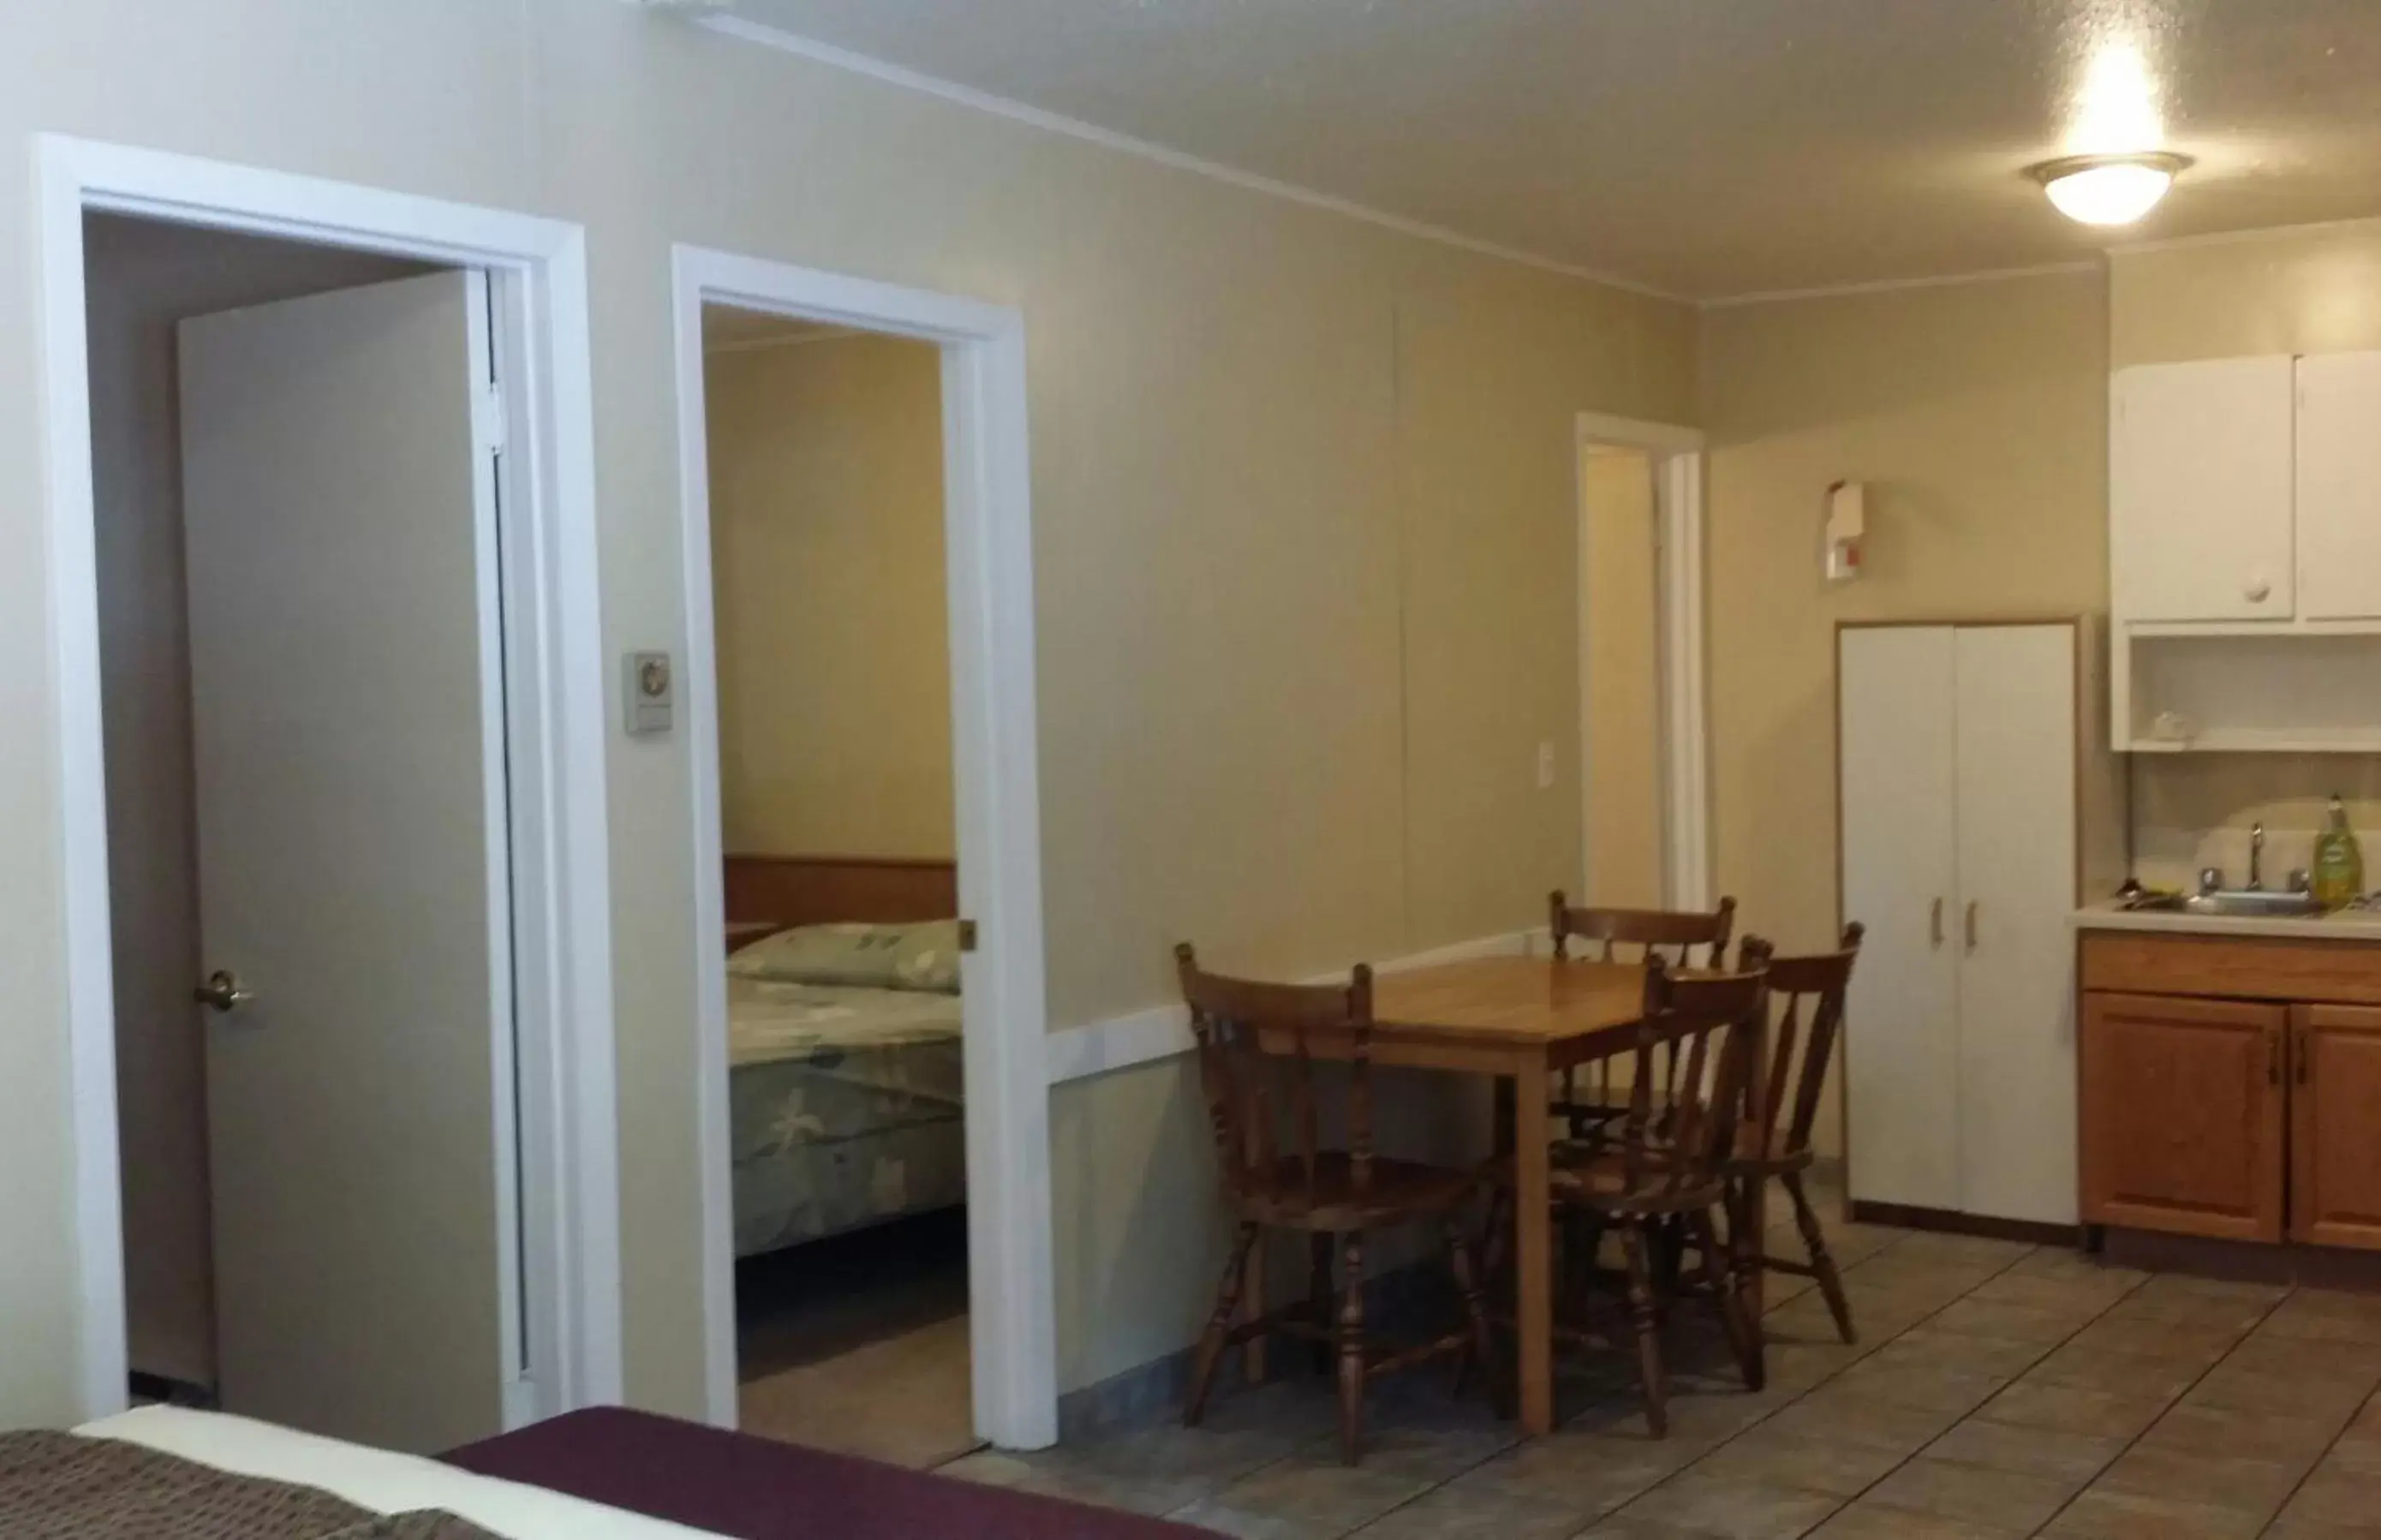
x=989, y=539
x=567, y=1190
x=1678, y=458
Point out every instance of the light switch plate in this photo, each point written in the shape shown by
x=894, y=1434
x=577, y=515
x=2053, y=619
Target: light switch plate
x=649, y=693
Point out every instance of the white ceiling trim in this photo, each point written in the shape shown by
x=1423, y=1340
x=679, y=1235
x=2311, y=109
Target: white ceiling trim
x=1895, y=285
x=1021, y=111
x=2233, y=238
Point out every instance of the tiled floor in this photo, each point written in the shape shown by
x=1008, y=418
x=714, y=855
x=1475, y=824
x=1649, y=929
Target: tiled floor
x=1999, y=1390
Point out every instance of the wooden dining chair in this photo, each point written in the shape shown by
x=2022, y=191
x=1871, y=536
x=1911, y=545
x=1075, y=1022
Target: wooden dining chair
x=1798, y=1065
x=1258, y=1049
x=1664, y=1167
x=1670, y=936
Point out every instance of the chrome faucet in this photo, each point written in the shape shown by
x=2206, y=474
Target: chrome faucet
x=2257, y=857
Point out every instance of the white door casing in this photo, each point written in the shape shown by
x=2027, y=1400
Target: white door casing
x=989, y=547
x=340, y=524
x=2017, y=819
x=1900, y=880
x=557, y=695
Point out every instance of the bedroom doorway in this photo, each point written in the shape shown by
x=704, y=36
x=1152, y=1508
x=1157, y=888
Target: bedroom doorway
x=859, y=704
x=846, y=1025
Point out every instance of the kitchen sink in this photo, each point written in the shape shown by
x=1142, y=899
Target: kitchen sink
x=2254, y=903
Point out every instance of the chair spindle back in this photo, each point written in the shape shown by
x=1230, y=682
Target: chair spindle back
x=1255, y=1092
x=1819, y=980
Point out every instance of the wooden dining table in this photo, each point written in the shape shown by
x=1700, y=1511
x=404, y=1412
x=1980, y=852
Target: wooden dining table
x=1520, y=1020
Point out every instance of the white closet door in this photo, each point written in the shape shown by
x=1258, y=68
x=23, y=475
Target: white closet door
x=1897, y=744
x=2017, y=727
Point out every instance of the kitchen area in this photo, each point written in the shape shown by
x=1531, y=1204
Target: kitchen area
x=2124, y=988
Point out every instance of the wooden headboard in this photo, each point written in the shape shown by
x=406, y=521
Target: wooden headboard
x=818, y=890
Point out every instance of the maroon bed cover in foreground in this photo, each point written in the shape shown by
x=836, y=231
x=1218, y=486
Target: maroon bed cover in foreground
x=752, y=1489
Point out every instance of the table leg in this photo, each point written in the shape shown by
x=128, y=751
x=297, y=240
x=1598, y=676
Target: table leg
x=1533, y=1251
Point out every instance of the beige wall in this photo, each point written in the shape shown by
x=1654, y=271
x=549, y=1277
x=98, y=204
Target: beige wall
x=1977, y=414
x=1624, y=697
x=832, y=624
x=142, y=278
x=1274, y=451
x=2315, y=289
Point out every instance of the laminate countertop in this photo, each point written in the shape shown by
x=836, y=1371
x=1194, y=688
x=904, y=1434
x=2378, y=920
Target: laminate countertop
x=2348, y=924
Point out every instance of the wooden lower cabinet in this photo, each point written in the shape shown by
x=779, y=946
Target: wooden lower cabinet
x=2336, y=1126
x=2182, y=1114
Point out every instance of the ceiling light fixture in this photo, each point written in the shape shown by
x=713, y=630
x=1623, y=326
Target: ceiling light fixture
x=2109, y=189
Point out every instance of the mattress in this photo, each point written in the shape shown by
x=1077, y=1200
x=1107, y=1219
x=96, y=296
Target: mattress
x=377, y=1479
x=845, y=1109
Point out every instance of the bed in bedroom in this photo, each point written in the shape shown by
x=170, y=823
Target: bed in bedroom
x=845, y=1065
x=168, y=1473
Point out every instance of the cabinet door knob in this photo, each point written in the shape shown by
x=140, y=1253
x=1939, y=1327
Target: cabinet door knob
x=2259, y=590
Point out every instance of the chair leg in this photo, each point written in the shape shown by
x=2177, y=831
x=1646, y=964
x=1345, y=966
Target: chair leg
x=1218, y=1335
x=1351, y=1348
x=1815, y=1239
x=1634, y=1245
x=1478, y=1346
x=1495, y=1239
x=1718, y=1279
x=1320, y=1299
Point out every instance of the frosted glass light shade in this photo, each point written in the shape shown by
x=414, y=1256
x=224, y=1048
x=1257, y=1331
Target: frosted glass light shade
x=2109, y=189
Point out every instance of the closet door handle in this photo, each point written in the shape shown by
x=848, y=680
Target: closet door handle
x=1971, y=925
x=1934, y=925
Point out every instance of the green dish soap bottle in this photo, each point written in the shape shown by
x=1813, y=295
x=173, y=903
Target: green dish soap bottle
x=2339, y=859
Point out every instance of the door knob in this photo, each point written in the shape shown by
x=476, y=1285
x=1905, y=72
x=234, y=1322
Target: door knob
x=223, y=992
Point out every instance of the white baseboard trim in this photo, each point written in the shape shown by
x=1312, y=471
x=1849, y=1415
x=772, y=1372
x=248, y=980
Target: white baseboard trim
x=1164, y=1032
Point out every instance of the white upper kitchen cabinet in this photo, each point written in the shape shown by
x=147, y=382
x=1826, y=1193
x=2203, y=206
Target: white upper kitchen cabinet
x=2200, y=504
x=2339, y=487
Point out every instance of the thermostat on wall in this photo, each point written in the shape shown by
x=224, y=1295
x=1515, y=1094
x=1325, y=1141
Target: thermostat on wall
x=651, y=690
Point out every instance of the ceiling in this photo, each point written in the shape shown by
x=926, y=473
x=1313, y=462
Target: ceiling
x=1704, y=148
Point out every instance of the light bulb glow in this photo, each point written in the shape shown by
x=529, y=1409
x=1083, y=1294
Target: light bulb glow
x=2117, y=108
x=2109, y=189
x=2109, y=194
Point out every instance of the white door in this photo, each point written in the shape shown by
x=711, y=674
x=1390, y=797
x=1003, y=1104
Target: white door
x=1900, y=881
x=2017, y=728
x=2339, y=487
x=2200, y=491
x=340, y=518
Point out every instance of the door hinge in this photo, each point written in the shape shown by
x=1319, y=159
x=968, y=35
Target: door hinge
x=967, y=935
x=490, y=421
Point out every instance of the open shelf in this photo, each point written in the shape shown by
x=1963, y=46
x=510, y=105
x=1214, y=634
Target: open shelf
x=2246, y=691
